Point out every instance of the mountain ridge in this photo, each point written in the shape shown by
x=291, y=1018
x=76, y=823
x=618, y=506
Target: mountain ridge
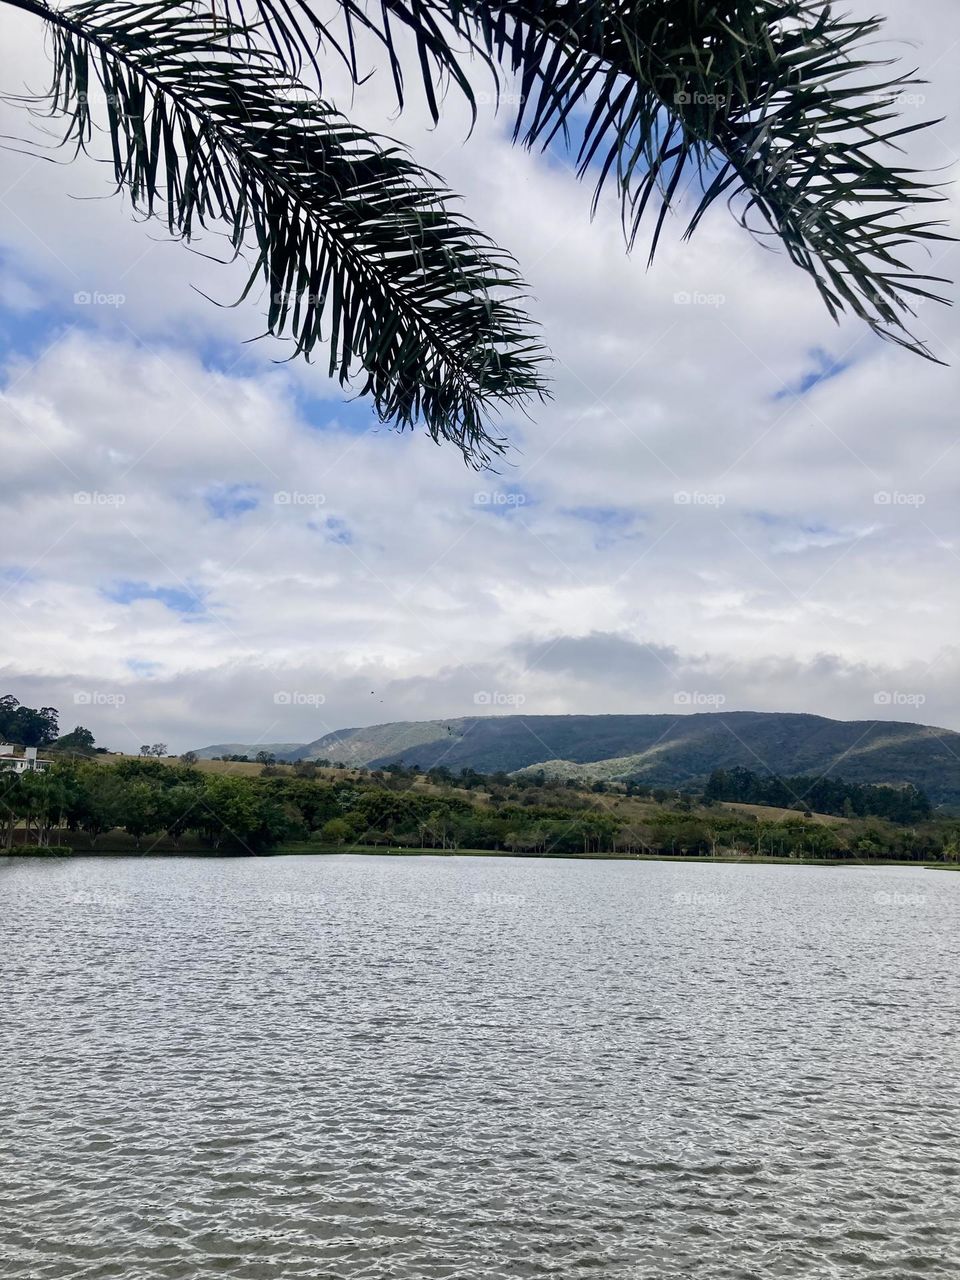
x=674, y=750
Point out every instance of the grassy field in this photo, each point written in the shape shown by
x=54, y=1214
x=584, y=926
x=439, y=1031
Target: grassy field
x=770, y=813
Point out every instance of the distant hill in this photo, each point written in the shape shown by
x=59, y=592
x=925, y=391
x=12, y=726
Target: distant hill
x=282, y=750
x=667, y=750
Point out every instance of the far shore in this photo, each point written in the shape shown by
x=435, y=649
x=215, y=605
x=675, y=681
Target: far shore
x=298, y=850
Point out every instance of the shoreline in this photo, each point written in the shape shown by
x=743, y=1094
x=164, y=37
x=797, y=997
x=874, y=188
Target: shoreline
x=292, y=851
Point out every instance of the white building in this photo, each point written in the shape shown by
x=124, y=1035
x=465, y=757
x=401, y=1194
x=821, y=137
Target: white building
x=21, y=760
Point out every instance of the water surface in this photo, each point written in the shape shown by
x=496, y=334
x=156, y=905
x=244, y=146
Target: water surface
x=415, y=1068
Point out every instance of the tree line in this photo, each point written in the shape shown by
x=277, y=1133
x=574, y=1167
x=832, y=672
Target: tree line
x=152, y=805
x=903, y=804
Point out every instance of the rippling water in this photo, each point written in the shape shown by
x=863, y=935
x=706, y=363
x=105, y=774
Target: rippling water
x=414, y=1068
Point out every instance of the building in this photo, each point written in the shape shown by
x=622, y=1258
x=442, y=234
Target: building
x=21, y=759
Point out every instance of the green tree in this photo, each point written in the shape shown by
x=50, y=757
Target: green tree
x=336, y=831
x=139, y=811
x=79, y=740
x=779, y=106
x=28, y=726
x=98, y=805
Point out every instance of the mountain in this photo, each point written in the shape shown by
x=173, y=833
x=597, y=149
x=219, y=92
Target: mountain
x=282, y=750
x=667, y=750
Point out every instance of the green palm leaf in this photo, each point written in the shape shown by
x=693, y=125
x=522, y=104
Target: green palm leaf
x=779, y=106
x=360, y=249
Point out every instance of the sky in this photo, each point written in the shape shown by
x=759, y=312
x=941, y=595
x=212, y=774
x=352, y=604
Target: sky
x=730, y=501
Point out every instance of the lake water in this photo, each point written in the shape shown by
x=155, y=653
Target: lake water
x=415, y=1068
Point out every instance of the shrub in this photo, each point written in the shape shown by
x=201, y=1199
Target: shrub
x=41, y=850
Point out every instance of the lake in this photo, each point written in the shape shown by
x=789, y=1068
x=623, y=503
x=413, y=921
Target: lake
x=478, y=1068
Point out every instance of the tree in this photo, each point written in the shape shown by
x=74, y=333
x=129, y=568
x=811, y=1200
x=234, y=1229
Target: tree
x=265, y=757
x=158, y=749
x=189, y=757
x=216, y=116
x=26, y=725
x=79, y=740
x=336, y=831
x=139, y=811
x=98, y=805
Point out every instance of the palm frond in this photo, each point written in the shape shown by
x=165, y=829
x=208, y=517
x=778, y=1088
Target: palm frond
x=360, y=249
x=782, y=107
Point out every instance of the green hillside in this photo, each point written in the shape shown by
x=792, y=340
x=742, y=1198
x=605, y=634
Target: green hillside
x=663, y=750
x=282, y=750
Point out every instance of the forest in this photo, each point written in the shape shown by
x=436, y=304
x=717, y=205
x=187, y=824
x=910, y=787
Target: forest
x=149, y=805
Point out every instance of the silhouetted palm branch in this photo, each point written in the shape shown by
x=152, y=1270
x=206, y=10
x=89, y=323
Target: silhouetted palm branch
x=771, y=104
x=780, y=106
x=360, y=250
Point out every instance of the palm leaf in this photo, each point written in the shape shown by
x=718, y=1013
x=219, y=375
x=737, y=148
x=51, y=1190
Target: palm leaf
x=359, y=248
x=779, y=106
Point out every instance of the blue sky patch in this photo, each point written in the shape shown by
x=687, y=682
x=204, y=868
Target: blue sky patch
x=143, y=667
x=333, y=529
x=824, y=368
x=183, y=600
x=227, y=502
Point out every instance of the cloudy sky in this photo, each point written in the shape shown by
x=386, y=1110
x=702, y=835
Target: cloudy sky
x=200, y=544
